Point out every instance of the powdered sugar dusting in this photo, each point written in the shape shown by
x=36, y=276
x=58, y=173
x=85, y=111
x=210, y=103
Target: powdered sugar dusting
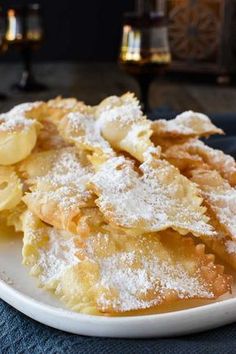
x=223, y=203
x=220, y=197
x=63, y=103
x=141, y=280
x=85, y=132
x=188, y=123
x=153, y=275
x=15, y=119
x=221, y=162
x=58, y=256
x=127, y=113
x=22, y=108
x=137, y=277
x=10, y=123
x=67, y=180
x=154, y=201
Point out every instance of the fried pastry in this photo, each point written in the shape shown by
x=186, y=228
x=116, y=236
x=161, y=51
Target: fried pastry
x=10, y=188
x=224, y=248
x=25, y=109
x=181, y=158
x=219, y=197
x=220, y=244
x=124, y=126
x=83, y=131
x=49, y=138
x=153, y=198
x=186, y=125
x=69, y=105
x=215, y=159
x=54, y=110
x=112, y=273
x=12, y=216
x=109, y=222
x=194, y=153
x=59, y=195
x=18, y=135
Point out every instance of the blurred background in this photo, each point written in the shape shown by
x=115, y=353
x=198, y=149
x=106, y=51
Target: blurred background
x=78, y=30
x=174, y=54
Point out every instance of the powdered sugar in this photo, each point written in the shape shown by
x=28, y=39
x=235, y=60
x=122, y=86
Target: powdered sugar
x=219, y=196
x=11, y=123
x=15, y=119
x=63, y=103
x=126, y=114
x=67, y=179
x=138, y=278
x=223, y=204
x=22, y=108
x=221, y=162
x=58, y=256
x=188, y=123
x=141, y=279
x=153, y=275
x=84, y=132
x=154, y=201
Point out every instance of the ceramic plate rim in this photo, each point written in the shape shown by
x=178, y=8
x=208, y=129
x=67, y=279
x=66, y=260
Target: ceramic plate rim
x=16, y=298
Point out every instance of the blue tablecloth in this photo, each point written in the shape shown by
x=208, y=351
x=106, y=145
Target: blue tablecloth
x=21, y=335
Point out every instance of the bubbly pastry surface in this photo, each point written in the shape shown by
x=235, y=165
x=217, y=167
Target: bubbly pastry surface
x=11, y=188
x=84, y=132
x=49, y=138
x=187, y=124
x=55, y=109
x=58, y=180
x=123, y=124
x=109, y=204
x=153, y=198
x=111, y=272
x=219, y=196
x=215, y=159
x=18, y=134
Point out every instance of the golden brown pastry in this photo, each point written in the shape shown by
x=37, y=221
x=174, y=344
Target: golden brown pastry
x=219, y=196
x=18, y=135
x=111, y=273
x=83, y=131
x=103, y=209
x=58, y=183
x=11, y=188
x=152, y=198
x=188, y=124
x=124, y=126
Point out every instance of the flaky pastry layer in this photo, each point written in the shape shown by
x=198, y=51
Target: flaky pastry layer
x=111, y=272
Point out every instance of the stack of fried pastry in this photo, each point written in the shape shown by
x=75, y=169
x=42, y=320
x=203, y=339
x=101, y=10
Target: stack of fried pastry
x=116, y=210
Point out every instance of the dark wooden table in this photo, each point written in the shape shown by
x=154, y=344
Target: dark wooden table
x=93, y=81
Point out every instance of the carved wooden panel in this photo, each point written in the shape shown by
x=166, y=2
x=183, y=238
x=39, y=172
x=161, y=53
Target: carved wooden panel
x=202, y=34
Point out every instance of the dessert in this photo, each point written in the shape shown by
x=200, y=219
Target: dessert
x=115, y=211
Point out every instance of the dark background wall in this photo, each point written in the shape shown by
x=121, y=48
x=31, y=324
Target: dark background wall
x=79, y=29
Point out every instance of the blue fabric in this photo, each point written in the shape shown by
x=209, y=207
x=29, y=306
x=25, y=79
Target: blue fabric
x=21, y=335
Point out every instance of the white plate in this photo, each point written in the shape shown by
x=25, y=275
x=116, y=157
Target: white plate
x=19, y=289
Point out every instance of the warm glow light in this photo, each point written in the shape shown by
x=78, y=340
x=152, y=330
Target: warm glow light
x=127, y=29
x=131, y=44
x=12, y=33
x=34, y=35
x=11, y=12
